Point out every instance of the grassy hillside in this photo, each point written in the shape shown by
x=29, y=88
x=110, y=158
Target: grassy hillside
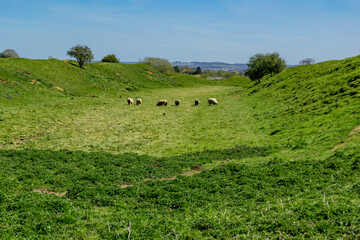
x=22, y=77
x=276, y=160
x=25, y=76
x=310, y=107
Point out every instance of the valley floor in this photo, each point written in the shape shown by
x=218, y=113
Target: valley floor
x=97, y=168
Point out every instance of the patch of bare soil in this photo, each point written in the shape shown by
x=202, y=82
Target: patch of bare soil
x=151, y=73
x=355, y=130
x=350, y=136
x=34, y=81
x=125, y=186
x=45, y=191
x=194, y=170
x=197, y=168
x=160, y=179
x=21, y=140
x=2, y=80
x=190, y=173
x=242, y=95
x=117, y=74
x=59, y=88
x=21, y=71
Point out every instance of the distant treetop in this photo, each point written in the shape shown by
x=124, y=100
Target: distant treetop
x=110, y=58
x=9, y=53
x=307, y=61
x=162, y=65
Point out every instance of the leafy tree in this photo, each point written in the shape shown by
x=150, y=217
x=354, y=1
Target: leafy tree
x=9, y=53
x=230, y=74
x=219, y=73
x=261, y=65
x=198, y=71
x=176, y=69
x=162, y=65
x=307, y=61
x=110, y=58
x=82, y=54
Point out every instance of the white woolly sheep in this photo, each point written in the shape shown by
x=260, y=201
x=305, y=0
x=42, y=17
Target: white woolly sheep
x=177, y=102
x=138, y=101
x=162, y=103
x=130, y=101
x=197, y=102
x=212, y=101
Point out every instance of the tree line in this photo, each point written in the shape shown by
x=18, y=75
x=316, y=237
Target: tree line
x=259, y=65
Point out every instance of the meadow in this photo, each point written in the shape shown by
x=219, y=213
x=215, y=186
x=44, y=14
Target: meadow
x=277, y=160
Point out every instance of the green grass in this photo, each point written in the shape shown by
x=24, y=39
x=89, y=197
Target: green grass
x=302, y=199
x=109, y=124
x=280, y=159
x=22, y=77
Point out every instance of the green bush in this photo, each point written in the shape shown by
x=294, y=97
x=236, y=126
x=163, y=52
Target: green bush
x=162, y=65
x=9, y=53
x=261, y=65
x=111, y=58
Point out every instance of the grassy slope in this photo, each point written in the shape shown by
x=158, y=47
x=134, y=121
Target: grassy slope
x=281, y=181
x=310, y=107
x=24, y=76
x=97, y=118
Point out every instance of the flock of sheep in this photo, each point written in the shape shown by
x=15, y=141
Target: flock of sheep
x=212, y=101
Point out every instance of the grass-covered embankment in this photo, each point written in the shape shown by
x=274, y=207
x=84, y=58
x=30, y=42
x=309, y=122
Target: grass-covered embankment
x=279, y=159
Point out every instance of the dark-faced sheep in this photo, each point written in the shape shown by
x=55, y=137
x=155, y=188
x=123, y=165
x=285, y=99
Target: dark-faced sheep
x=212, y=101
x=162, y=103
x=197, y=102
x=130, y=101
x=138, y=101
x=177, y=102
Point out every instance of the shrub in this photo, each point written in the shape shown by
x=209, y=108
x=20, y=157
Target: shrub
x=261, y=65
x=162, y=65
x=9, y=53
x=111, y=58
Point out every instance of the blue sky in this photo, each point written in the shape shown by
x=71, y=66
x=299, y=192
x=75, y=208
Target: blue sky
x=187, y=30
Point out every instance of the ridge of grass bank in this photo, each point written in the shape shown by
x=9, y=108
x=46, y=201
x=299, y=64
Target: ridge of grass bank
x=28, y=78
x=311, y=107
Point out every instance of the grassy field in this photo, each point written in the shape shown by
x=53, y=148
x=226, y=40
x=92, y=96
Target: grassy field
x=279, y=159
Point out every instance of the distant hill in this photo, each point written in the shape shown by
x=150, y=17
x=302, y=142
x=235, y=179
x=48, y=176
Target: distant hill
x=215, y=66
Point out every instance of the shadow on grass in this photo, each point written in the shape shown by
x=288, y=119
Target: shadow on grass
x=317, y=194
x=61, y=169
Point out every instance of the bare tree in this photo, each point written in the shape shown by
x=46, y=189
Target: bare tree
x=307, y=61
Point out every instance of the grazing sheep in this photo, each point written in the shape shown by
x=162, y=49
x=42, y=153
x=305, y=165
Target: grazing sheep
x=130, y=101
x=138, y=101
x=162, y=103
x=197, y=102
x=177, y=102
x=212, y=101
